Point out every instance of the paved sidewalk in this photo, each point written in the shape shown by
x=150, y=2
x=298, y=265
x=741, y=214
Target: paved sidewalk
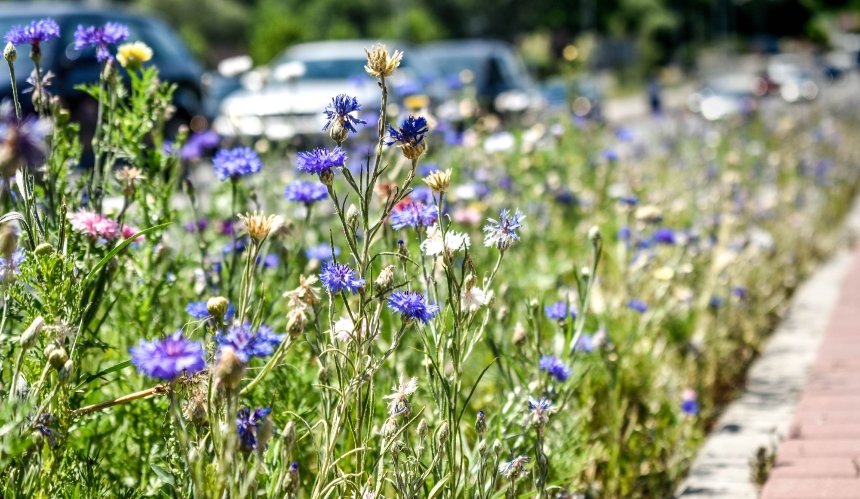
x=804, y=377
x=821, y=456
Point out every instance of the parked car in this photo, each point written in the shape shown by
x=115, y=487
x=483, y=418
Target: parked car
x=72, y=67
x=285, y=99
x=725, y=97
x=795, y=83
x=491, y=69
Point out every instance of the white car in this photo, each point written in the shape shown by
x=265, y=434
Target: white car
x=286, y=99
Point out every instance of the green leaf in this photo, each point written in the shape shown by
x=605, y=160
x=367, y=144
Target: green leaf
x=112, y=369
x=162, y=473
x=121, y=246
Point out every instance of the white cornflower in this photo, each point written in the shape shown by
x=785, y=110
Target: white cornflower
x=400, y=397
x=474, y=298
x=453, y=241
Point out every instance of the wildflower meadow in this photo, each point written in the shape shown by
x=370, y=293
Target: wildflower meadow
x=556, y=309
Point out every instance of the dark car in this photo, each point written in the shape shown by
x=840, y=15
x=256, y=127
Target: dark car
x=492, y=68
x=72, y=67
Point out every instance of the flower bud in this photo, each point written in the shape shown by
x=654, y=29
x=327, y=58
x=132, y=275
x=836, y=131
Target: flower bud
x=519, y=336
x=265, y=429
x=482, y=447
x=481, y=423
x=422, y=429
x=352, y=216
x=289, y=436
x=594, y=234
x=57, y=357
x=229, y=369
x=497, y=447
x=10, y=53
x=67, y=371
x=442, y=435
x=296, y=321
x=28, y=338
x=217, y=306
x=44, y=249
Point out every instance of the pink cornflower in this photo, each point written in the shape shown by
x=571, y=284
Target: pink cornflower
x=130, y=230
x=94, y=225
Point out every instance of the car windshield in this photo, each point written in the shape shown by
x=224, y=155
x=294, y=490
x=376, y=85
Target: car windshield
x=448, y=65
x=328, y=69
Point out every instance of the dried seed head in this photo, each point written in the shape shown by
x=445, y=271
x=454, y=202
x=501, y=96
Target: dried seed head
x=217, y=306
x=129, y=177
x=229, y=370
x=297, y=319
x=439, y=181
x=258, y=225
x=519, y=336
x=422, y=429
x=379, y=63
x=385, y=278
x=194, y=409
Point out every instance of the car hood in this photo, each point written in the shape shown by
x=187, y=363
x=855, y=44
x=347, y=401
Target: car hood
x=298, y=97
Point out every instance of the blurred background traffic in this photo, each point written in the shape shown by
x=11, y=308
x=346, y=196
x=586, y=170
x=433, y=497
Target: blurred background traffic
x=262, y=70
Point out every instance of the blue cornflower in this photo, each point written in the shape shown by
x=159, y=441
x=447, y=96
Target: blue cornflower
x=305, y=191
x=337, y=277
x=610, y=155
x=539, y=410
x=168, y=358
x=340, y=110
x=320, y=160
x=199, y=310
x=623, y=234
x=559, y=311
x=412, y=305
x=24, y=141
x=585, y=343
x=247, y=343
x=109, y=34
x=269, y=262
x=422, y=194
x=11, y=266
x=34, y=33
x=409, y=213
x=628, y=200
x=553, y=366
x=716, y=302
x=411, y=132
x=739, y=292
x=637, y=305
x=231, y=164
x=248, y=424
x=664, y=235
x=43, y=424
x=690, y=403
x=502, y=233
x=322, y=252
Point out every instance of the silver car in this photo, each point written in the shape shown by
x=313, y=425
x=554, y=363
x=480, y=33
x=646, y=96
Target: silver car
x=286, y=99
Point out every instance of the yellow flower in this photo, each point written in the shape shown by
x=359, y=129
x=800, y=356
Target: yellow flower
x=132, y=55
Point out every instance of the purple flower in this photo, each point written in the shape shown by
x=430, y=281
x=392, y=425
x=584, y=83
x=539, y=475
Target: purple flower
x=553, y=366
x=409, y=213
x=248, y=425
x=628, y=200
x=168, y=358
x=341, y=108
x=664, y=235
x=109, y=34
x=502, y=233
x=269, y=262
x=422, y=194
x=637, y=305
x=321, y=252
x=559, y=311
x=689, y=403
x=231, y=164
x=198, y=144
x=34, y=33
x=411, y=131
x=23, y=142
x=247, y=343
x=337, y=277
x=198, y=226
x=716, y=302
x=199, y=310
x=305, y=191
x=739, y=292
x=320, y=160
x=11, y=266
x=586, y=343
x=412, y=305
